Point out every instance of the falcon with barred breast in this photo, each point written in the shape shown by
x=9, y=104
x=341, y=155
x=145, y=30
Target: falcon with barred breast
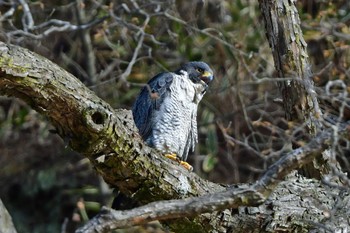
x=165, y=111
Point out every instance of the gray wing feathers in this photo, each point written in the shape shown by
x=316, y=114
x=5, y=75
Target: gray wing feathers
x=192, y=138
x=149, y=100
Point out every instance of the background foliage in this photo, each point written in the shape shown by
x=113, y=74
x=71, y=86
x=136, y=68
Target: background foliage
x=116, y=46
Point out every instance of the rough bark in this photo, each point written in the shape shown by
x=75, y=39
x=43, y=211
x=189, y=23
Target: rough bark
x=234, y=197
x=285, y=211
x=108, y=138
x=93, y=128
x=289, y=51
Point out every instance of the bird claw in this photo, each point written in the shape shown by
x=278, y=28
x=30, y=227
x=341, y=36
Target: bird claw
x=174, y=157
x=186, y=165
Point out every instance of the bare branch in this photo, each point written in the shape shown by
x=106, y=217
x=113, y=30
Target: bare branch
x=110, y=219
x=27, y=19
x=90, y=60
x=54, y=25
x=8, y=13
x=141, y=32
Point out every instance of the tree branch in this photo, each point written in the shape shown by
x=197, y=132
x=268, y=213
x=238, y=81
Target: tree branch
x=110, y=219
x=93, y=128
x=234, y=197
x=109, y=139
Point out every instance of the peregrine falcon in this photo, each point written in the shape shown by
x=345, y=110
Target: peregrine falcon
x=165, y=111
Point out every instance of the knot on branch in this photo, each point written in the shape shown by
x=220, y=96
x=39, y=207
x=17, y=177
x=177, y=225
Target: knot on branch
x=96, y=119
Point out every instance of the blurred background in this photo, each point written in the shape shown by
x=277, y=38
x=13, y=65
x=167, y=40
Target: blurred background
x=116, y=46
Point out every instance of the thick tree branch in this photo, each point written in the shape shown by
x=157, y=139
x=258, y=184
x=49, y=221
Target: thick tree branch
x=110, y=219
x=233, y=197
x=92, y=127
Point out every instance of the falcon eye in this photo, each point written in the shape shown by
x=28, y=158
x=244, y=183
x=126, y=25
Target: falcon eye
x=200, y=70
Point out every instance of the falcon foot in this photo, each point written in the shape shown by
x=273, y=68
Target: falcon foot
x=182, y=163
x=172, y=157
x=186, y=165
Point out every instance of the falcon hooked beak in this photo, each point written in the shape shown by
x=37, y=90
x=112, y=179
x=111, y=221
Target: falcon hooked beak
x=198, y=72
x=207, y=77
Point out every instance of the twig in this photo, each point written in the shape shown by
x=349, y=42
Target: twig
x=90, y=61
x=127, y=71
x=204, y=32
x=8, y=13
x=141, y=31
x=62, y=26
x=27, y=19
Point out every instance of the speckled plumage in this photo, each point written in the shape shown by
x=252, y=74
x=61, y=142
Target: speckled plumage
x=165, y=112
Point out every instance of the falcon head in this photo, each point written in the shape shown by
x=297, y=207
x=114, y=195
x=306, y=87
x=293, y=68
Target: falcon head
x=197, y=72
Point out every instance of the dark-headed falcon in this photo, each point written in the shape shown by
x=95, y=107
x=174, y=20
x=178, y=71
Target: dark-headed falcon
x=165, y=111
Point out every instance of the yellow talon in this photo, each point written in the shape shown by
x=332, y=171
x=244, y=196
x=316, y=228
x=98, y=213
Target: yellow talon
x=186, y=165
x=172, y=157
x=182, y=163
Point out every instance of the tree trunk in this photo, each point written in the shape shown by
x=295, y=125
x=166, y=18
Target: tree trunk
x=292, y=63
